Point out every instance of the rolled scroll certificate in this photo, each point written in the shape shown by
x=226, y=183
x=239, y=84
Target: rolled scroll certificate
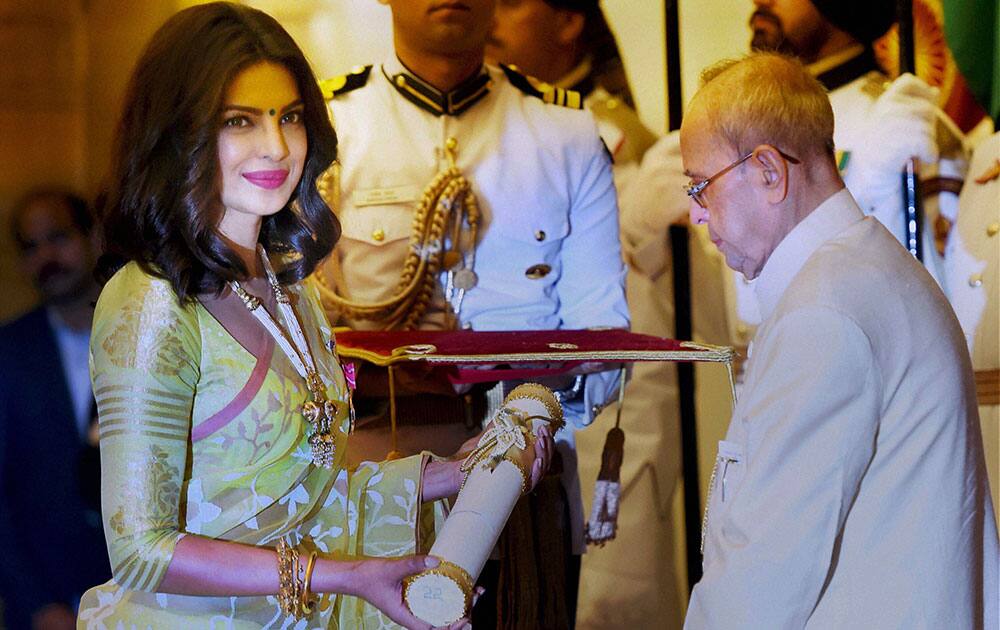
x=495, y=477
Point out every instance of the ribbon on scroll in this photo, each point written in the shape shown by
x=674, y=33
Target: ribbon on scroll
x=496, y=474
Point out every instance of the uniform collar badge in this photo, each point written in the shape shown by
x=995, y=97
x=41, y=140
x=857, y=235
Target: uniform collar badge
x=433, y=100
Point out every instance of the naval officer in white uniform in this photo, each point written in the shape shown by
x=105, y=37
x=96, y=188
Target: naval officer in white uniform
x=538, y=247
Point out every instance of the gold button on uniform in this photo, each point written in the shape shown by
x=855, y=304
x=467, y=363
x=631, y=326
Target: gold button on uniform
x=378, y=235
x=540, y=235
x=536, y=272
x=993, y=229
x=976, y=280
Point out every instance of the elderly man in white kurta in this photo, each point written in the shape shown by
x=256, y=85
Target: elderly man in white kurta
x=850, y=491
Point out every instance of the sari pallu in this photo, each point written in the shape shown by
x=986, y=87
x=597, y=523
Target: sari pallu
x=201, y=434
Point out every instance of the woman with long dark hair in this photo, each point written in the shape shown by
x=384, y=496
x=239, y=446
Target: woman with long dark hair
x=224, y=413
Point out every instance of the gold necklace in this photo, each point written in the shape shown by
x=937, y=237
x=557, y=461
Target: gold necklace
x=320, y=412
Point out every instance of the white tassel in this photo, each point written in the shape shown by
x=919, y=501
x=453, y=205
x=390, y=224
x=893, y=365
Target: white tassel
x=603, y=523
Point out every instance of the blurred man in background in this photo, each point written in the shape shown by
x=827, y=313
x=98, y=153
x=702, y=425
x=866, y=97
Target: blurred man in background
x=879, y=128
x=972, y=268
x=50, y=530
x=569, y=44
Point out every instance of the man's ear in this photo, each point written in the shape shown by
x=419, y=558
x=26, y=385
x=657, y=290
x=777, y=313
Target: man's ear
x=772, y=170
x=569, y=26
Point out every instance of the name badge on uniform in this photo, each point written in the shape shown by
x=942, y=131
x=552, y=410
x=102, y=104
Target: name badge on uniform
x=384, y=196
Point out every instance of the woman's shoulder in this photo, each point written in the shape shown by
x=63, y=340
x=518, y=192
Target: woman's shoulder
x=139, y=324
x=133, y=283
x=135, y=293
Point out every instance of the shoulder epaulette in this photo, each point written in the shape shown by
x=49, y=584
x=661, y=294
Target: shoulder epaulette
x=874, y=84
x=545, y=91
x=345, y=83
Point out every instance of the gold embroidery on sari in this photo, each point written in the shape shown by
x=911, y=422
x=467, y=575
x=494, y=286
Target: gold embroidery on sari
x=146, y=337
x=150, y=501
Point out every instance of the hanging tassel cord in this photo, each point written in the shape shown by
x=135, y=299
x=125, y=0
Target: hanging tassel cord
x=394, y=452
x=603, y=524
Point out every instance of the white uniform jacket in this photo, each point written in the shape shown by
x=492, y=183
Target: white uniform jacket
x=972, y=257
x=543, y=180
x=548, y=255
x=972, y=269
x=850, y=491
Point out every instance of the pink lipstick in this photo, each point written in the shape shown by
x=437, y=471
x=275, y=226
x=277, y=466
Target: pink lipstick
x=267, y=179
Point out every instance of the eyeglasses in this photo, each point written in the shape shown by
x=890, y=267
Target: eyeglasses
x=694, y=190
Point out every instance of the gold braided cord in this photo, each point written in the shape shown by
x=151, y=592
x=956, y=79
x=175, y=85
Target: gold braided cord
x=447, y=202
x=541, y=393
x=478, y=458
x=510, y=433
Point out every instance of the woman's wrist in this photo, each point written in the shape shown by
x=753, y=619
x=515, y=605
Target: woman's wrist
x=442, y=479
x=336, y=576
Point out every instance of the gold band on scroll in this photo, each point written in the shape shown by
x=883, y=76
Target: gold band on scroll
x=543, y=395
x=449, y=571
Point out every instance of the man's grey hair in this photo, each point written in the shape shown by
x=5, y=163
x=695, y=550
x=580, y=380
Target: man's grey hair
x=768, y=98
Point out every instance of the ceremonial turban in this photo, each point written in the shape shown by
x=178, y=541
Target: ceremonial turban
x=865, y=20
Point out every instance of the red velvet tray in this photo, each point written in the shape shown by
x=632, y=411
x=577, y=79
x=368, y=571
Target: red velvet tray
x=517, y=354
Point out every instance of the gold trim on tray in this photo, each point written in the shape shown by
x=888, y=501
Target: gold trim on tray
x=420, y=352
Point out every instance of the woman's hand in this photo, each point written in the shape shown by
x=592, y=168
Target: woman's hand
x=442, y=478
x=538, y=459
x=380, y=583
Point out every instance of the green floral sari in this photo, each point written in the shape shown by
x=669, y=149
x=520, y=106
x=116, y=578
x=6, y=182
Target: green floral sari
x=200, y=436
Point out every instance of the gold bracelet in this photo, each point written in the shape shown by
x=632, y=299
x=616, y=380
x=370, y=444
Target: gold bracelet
x=306, y=607
x=289, y=585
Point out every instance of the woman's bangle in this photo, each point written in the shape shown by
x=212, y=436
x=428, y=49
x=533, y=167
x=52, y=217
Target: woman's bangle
x=306, y=606
x=289, y=584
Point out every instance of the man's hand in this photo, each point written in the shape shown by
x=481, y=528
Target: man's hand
x=536, y=460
